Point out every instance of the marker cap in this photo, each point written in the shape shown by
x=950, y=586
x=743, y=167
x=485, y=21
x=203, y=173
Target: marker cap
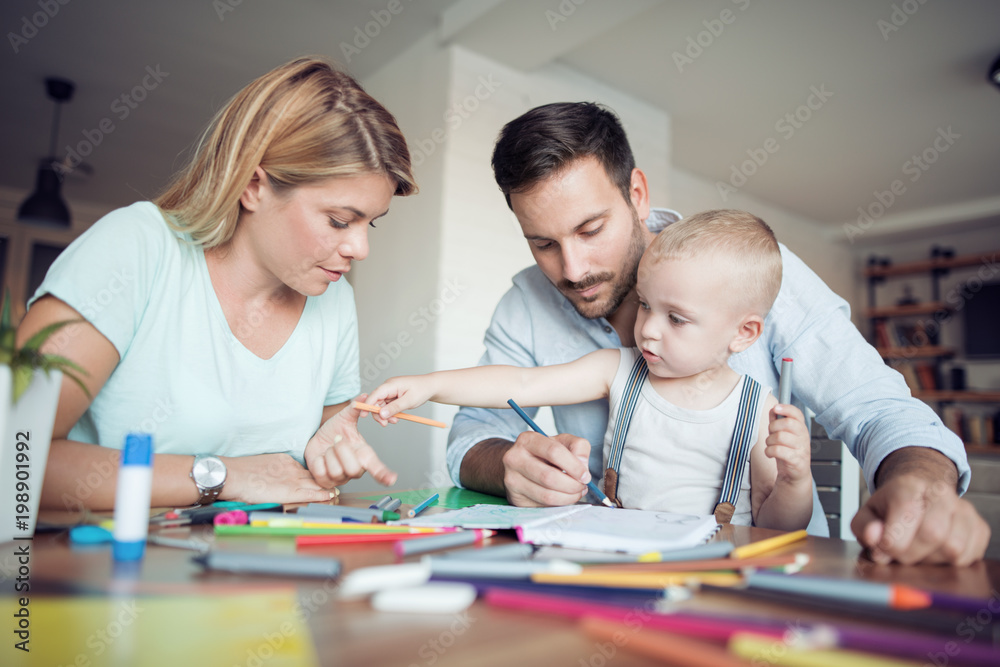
x=138, y=450
x=128, y=550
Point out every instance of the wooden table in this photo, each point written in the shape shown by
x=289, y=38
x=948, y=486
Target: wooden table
x=352, y=633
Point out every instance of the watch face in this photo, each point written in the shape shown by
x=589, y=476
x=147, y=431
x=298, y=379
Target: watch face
x=209, y=472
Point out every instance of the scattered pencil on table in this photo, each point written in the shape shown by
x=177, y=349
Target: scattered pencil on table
x=385, y=500
x=292, y=565
x=770, y=544
x=392, y=505
x=447, y=541
x=894, y=596
x=399, y=415
x=422, y=506
x=530, y=422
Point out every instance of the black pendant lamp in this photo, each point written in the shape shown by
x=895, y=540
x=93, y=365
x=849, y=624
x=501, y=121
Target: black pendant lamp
x=45, y=206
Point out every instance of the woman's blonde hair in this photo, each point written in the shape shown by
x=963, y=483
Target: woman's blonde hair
x=301, y=123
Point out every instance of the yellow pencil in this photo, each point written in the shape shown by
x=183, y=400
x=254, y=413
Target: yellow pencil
x=638, y=579
x=402, y=415
x=770, y=544
x=759, y=648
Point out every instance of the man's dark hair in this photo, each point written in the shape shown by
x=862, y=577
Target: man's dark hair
x=542, y=141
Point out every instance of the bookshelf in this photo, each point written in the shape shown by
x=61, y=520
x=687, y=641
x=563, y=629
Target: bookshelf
x=907, y=336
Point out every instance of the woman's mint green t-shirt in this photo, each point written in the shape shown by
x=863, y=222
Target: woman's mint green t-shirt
x=183, y=376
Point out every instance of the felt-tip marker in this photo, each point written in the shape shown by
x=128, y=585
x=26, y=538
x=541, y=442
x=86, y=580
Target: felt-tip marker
x=292, y=565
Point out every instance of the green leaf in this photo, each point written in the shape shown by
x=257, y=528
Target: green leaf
x=5, y=317
x=22, y=380
x=36, y=341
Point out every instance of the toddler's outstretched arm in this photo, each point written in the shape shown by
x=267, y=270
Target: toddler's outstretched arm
x=585, y=379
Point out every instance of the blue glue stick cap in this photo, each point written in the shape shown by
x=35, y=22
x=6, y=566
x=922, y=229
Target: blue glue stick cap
x=138, y=450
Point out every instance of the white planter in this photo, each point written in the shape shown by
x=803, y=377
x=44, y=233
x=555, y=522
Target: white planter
x=27, y=433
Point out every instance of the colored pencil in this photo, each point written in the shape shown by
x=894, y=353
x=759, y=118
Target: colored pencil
x=752, y=646
x=848, y=590
x=459, y=538
x=710, y=550
x=640, y=579
x=917, y=620
x=730, y=564
x=323, y=540
x=422, y=506
x=401, y=415
x=716, y=627
x=514, y=551
x=534, y=427
x=670, y=648
x=499, y=569
x=770, y=544
x=295, y=531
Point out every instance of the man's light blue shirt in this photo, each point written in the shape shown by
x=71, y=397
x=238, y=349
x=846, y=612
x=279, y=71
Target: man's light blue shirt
x=856, y=397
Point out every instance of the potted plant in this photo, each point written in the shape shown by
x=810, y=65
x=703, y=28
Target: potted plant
x=30, y=381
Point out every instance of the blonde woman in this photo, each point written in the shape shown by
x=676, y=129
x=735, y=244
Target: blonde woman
x=217, y=317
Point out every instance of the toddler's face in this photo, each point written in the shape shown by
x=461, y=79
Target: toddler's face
x=686, y=318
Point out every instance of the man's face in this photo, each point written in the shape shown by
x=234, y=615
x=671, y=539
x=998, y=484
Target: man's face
x=584, y=236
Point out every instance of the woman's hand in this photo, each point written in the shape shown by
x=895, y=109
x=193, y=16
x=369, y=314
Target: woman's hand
x=338, y=453
x=271, y=478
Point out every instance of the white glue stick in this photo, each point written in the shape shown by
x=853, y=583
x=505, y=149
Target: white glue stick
x=135, y=484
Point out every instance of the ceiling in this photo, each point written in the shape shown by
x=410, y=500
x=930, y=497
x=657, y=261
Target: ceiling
x=885, y=80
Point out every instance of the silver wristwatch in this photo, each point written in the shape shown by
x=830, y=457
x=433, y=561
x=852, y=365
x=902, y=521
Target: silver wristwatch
x=209, y=475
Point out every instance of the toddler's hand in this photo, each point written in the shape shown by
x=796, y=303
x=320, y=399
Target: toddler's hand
x=788, y=444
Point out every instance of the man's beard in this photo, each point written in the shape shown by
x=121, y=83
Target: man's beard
x=621, y=283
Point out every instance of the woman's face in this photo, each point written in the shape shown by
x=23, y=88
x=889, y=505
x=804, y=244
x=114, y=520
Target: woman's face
x=308, y=236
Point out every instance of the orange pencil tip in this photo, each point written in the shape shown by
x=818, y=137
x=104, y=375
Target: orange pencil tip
x=904, y=597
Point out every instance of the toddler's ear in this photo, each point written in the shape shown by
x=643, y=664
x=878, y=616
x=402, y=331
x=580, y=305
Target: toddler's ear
x=747, y=333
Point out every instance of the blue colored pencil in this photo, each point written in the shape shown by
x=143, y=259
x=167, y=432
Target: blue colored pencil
x=422, y=506
x=527, y=420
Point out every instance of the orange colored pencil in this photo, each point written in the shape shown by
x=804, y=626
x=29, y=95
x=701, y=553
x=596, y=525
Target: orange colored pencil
x=667, y=647
x=402, y=415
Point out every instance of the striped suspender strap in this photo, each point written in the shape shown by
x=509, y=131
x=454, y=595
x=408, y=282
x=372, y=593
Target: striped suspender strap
x=744, y=436
x=633, y=386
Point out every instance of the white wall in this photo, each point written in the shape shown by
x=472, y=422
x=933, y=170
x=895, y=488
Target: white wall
x=447, y=255
x=831, y=260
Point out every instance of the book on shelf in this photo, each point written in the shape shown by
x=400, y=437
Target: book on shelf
x=927, y=376
x=954, y=420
